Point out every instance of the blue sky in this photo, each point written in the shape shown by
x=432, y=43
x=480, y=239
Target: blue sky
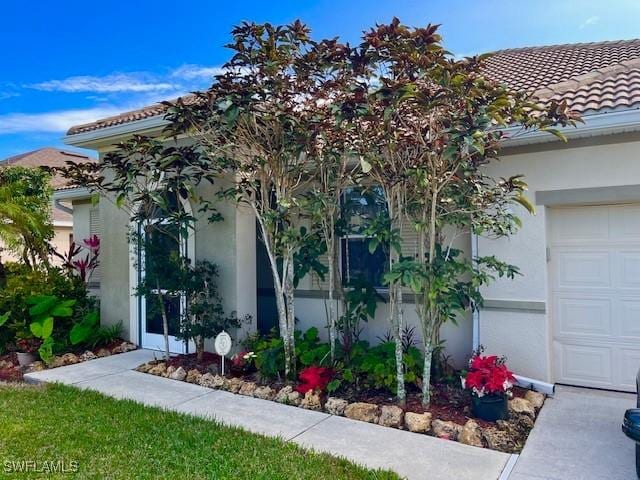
x=69, y=62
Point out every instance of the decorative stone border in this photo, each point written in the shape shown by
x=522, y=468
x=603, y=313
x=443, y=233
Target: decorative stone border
x=72, y=358
x=504, y=436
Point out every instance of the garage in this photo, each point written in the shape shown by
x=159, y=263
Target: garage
x=594, y=259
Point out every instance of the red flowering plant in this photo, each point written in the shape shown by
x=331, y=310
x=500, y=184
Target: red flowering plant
x=314, y=378
x=243, y=361
x=488, y=375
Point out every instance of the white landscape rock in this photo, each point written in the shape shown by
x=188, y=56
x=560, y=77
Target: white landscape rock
x=178, y=374
x=417, y=422
x=521, y=406
x=535, y=398
x=471, y=434
x=288, y=396
x=335, y=406
x=365, y=412
x=264, y=393
x=447, y=430
x=210, y=380
x=391, y=416
x=311, y=401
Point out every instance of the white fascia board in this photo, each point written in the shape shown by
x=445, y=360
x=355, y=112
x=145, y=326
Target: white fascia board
x=87, y=139
x=622, y=121
x=62, y=223
x=72, y=194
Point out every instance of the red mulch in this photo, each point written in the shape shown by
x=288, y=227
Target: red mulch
x=10, y=374
x=190, y=361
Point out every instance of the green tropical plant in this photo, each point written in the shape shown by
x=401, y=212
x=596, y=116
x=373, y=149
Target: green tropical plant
x=82, y=331
x=44, y=310
x=105, y=335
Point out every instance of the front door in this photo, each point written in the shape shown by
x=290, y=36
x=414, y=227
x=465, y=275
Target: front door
x=157, y=248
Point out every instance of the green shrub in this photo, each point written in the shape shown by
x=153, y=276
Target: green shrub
x=24, y=283
x=364, y=366
x=269, y=351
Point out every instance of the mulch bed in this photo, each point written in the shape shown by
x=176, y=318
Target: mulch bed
x=10, y=371
x=449, y=401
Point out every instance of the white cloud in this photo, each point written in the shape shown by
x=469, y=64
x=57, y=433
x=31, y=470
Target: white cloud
x=590, y=21
x=114, y=83
x=5, y=95
x=196, y=72
x=53, y=122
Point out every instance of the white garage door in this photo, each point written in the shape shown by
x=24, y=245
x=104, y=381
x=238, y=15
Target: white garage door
x=595, y=288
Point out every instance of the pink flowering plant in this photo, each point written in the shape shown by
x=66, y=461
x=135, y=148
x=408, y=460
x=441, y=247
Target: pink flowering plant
x=83, y=266
x=488, y=375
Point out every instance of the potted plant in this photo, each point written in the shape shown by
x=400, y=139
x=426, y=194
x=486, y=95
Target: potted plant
x=490, y=382
x=26, y=350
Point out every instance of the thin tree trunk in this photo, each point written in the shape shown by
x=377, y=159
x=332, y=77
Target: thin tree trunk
x=279, y=293
x=426, y=373
x=395, y=304
x=427, y=313
x=291, y=320
x=332, y=308
x=165, y=319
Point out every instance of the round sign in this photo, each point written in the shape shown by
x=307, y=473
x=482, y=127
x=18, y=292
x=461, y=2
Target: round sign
x=222, y=344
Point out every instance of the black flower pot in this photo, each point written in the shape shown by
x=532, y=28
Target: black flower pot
x=490, y=407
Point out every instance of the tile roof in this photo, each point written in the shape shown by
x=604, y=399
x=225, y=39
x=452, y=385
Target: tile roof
x=126, y=117
x=592, y=77
x=49, y=157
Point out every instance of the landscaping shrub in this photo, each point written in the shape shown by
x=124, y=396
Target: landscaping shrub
x=269, y=351
x=314, y=378
x=18, y=298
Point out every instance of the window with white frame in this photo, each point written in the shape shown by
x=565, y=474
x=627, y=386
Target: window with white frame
x=359, y=206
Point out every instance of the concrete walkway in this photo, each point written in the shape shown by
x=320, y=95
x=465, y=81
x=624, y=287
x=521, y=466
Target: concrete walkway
x=577, y=437
x=411, y=455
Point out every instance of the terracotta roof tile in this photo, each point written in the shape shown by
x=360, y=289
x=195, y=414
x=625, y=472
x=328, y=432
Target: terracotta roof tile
x=126, y=117
x=580, y=73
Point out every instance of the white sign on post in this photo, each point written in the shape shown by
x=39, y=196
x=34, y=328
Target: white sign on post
x=222, y=345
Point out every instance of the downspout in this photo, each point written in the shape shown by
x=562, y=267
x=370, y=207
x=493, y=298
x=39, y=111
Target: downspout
x=476, y=311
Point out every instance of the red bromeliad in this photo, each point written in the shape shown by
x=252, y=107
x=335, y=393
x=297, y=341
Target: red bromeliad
x=314, y=378
x=488, y=375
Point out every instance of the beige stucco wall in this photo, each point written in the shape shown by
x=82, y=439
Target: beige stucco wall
x=230, y=244
x=523, y=335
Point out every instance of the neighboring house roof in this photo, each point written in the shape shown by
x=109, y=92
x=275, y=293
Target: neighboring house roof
x=592, y=77
x=49, y=157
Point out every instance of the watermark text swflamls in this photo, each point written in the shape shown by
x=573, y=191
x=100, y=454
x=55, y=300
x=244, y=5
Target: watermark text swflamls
x=37, y=466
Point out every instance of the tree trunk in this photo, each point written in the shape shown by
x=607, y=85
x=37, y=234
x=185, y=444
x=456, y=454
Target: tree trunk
x=395, y=303
x=199, y=348
x=290, y=313
x=426, y=374
x=332, y=308
x=165, y=320
x=279, y=287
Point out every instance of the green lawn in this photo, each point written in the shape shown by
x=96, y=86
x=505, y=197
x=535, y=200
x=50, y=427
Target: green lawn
x=112, y=439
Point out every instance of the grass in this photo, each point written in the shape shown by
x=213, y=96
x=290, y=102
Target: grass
x=114, y=439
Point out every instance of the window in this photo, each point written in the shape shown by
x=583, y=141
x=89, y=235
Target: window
x=359, y=206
